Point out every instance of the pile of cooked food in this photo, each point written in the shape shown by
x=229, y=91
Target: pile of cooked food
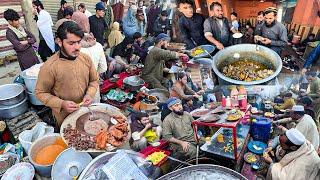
x=247, y=70
x=156, y=157
x=197, y=51
x=98, y=134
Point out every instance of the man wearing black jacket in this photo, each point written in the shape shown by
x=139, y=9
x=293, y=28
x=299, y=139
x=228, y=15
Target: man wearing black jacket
x=190, y=24
x=216, y=28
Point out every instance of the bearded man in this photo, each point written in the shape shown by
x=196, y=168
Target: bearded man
x=216, y=27
x=272, y=33
x=68, y=77
x=178, y=131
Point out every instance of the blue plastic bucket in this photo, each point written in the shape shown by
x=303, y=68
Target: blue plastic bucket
x=260, y=130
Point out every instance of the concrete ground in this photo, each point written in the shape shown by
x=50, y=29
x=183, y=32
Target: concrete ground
x=9, y=72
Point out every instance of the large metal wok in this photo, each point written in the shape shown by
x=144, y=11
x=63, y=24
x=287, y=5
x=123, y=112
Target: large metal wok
x=261, y=54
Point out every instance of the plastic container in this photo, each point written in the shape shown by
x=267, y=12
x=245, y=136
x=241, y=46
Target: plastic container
x=228, y=102
x=234, y=97
x=242, y=97
x=33, y=99
x=223, y=101
x=261, y=128
x=30, y=81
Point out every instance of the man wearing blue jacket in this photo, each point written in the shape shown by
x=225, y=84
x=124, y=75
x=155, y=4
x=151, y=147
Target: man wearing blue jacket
x=311, y=59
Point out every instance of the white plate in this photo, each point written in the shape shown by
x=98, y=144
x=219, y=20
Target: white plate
x=155, y=144
x=237, y=35
x=22, y=170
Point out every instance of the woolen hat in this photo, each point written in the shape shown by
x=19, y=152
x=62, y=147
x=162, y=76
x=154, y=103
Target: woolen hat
x=100, y=6
x=172, y=101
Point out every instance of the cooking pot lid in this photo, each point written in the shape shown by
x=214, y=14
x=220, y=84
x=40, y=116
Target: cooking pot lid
x=69, y=164
x=133, y=80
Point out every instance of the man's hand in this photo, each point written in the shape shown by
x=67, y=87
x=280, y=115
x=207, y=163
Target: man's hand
x=266, y=41
x=219, y=45
x=87, y=100
x=69, y=106
x=148, y=126
x=201, y=92
x=24, y=42
x=303, y=71
x=180, y=54
x=267, y=158
x=196, y=96
x=185, y=146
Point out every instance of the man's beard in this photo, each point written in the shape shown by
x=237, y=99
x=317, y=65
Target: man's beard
x=180, y=113
x=270, y=25
x=163, y=47
x=63, y=50
x=219, y=17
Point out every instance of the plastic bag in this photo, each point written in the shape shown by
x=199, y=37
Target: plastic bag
x=27, y=137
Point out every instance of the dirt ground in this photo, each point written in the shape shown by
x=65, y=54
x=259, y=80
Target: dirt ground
x=9, y=73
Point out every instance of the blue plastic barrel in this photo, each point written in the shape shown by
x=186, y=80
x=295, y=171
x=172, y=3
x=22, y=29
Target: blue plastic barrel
x=260, y=130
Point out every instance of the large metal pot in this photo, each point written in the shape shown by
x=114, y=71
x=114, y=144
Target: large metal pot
x=8, y=112
x=134, y=83
x=11, y=94
x=263, y=55
x=203, y=171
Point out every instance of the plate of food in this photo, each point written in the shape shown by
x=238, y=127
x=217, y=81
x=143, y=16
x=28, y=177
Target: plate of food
x=202, y=51
x=199, y=112
x=254, y=110
x=235, y=115
x=157, y=156
x=257, y=147
x=269, y=114
x=94, y=129
x=249, y=157
x=209, y=118
x=237, y=35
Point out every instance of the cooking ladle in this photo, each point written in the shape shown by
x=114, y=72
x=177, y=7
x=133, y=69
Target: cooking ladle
x=208, y=53
x=91, y=116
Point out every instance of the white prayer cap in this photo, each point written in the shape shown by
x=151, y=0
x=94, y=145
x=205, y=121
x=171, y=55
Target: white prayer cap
x=298, y=108
x=295, y=136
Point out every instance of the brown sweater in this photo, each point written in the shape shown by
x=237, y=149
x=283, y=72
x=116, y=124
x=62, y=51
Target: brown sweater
x=181, y=91
x=60, y=79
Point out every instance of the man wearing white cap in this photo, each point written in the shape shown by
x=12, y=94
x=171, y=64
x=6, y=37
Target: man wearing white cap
x=300, y=162
x=178, y=131
x=306, y=125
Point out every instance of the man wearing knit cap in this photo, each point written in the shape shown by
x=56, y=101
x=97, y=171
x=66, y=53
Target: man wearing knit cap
x=272, y=33
x=178, y=131
x=152, y=73
x=300, y=161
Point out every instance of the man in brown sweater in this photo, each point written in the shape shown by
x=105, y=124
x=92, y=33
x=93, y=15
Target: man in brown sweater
x=68, y=77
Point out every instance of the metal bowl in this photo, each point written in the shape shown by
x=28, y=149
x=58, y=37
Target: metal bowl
x=264, y=55
x=11, y=94
x=12, y=111
x=161, y=94
x=203, y=171
x=134, y=83
x=69, y=164
x=42, y=170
